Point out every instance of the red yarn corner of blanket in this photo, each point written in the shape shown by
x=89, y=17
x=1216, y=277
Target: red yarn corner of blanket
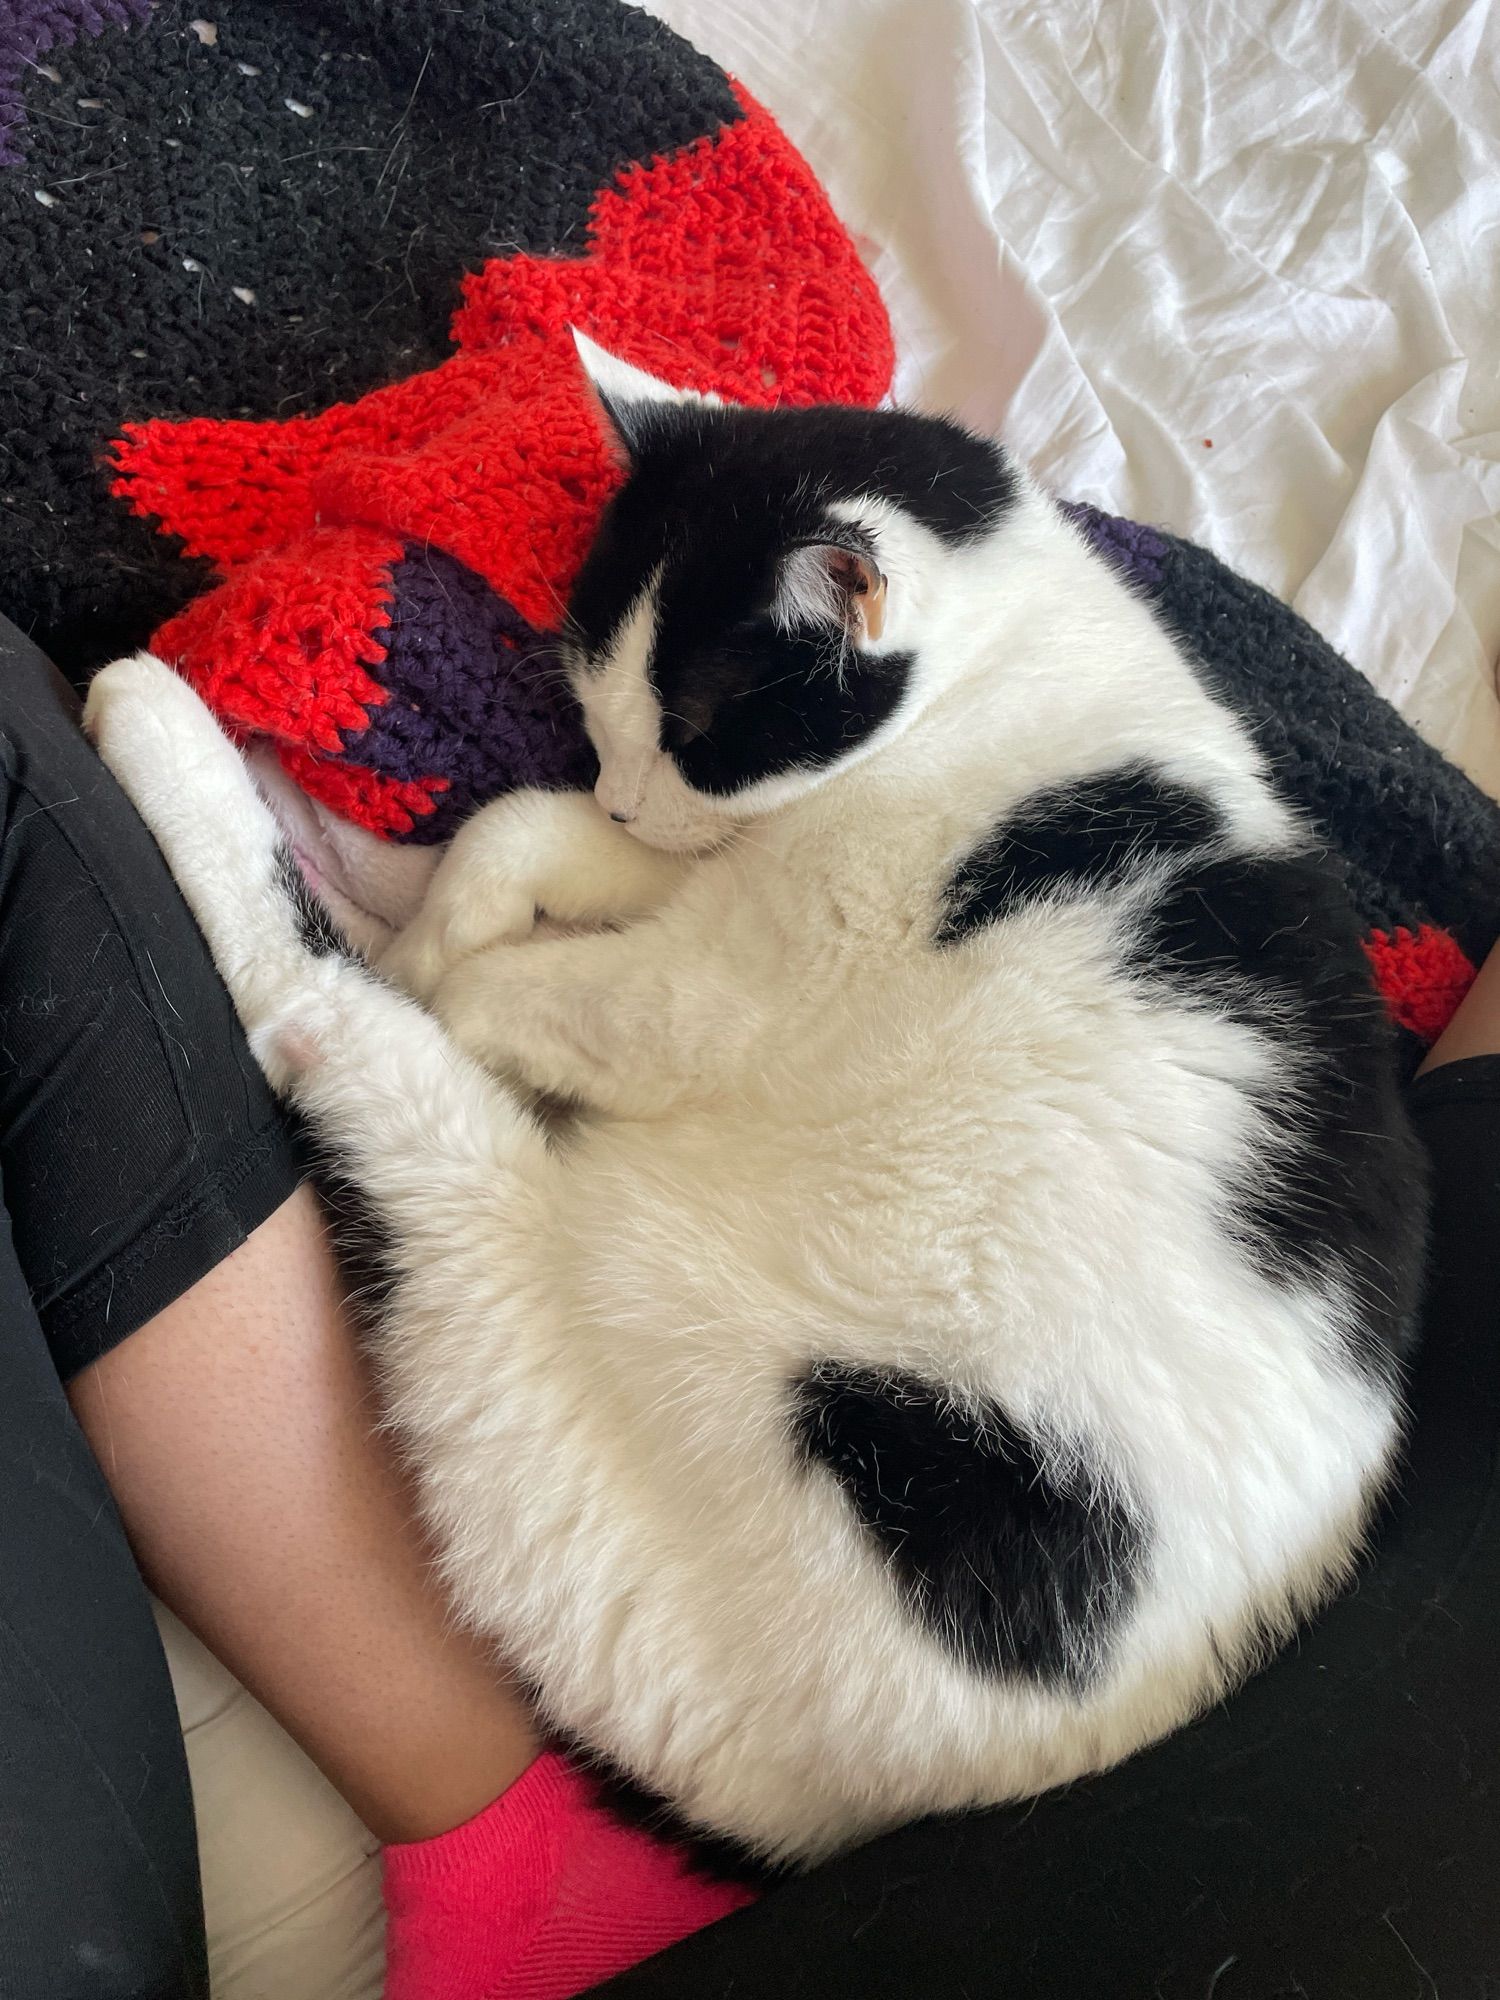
x=1423, y=975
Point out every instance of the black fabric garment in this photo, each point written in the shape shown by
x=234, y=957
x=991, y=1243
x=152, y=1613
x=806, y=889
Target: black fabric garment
x=138, y=1140
x=1331, y=1833
x=99, y=1893
x=138, y=1146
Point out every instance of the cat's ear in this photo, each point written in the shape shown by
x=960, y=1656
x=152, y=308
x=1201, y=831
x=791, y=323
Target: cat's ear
x=629, y=400
x=830, y=584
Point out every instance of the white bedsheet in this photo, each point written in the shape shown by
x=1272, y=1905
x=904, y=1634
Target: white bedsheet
x=1118, y=230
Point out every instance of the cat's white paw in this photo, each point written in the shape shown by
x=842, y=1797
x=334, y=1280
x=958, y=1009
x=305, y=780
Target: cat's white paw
x=506, y=861
x=459, y=918
x=530, y=853
x=469, y=1000
x=154, y=734
x=191, y=787
x=171, y=758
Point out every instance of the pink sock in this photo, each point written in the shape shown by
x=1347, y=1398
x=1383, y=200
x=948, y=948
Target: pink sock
x=541, y=1896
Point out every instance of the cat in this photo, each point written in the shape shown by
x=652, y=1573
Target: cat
x=960, y=1325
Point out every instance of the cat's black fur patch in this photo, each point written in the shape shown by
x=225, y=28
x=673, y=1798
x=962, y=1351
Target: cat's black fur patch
x=1090, y=835
x=714, y=501
x=315, y=924
x=363, y=1242
x=803, y=716
x=1012, y=1572
x=716, y=1857
x=1273, y=941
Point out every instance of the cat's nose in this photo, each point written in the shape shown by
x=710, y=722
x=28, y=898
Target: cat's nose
x=620, y=797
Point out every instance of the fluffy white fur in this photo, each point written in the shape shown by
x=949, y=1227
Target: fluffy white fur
x=806, y=1134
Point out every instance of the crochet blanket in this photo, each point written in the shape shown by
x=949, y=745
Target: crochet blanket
x=298, y=407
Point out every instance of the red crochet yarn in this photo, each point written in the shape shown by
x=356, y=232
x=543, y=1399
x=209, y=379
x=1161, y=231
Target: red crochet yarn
x=1423, y=974
x=284, y=647
x=721, y=266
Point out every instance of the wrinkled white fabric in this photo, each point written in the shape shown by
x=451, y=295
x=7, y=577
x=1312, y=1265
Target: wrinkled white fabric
x=1117, y=230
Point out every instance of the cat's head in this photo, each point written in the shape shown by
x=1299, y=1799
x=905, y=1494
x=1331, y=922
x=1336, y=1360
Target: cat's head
x=760, y=602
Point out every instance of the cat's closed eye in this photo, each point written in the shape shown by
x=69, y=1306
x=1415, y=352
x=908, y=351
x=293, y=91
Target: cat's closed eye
x=688, y=722
x=712, y=680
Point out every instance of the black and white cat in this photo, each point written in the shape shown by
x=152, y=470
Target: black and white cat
x=961, y=1325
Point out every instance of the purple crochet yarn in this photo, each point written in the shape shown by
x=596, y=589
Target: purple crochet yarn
x=476, y=696
x=1137, y=550
x=29, y=30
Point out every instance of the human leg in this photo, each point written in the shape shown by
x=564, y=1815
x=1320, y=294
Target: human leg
x=453, y=1164
x=239, y=1435
x=140, y=1150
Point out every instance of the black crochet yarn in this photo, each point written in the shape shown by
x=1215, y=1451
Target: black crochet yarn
x=1420, y=841
x=342, y=162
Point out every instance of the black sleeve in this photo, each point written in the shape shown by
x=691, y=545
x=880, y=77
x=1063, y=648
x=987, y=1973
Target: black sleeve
x=139, y=1143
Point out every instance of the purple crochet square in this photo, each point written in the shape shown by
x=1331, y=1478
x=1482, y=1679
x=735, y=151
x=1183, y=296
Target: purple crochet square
x=477, y=696
x=1136, y=550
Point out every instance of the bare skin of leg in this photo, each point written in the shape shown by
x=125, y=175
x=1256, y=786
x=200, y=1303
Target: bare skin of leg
x=235, y=1430
x=1475, y=1028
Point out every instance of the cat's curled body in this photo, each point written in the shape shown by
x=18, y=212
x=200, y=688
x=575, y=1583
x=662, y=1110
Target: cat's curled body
x=964, y=1319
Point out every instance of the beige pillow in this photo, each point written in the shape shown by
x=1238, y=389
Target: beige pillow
x=291, y=1884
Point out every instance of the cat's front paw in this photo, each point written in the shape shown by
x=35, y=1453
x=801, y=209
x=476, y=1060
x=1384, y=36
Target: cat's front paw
x=190, y=785
x=457, y=921
x=184, y=777
x=528, y=853
x=142, y=721
x=470, y=1001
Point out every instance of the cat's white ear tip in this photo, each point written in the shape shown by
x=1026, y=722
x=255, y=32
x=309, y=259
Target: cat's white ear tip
x=620, y=383
x=589, y=352
x=616, y=380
